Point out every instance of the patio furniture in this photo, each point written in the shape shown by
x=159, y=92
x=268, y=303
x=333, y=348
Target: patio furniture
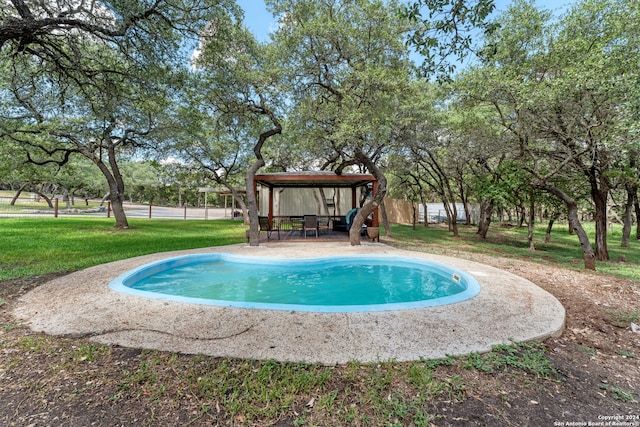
x=324, y=223
x=350, y=215
x=296, y=223
x=340, y=223
x=269, y=228
x=310, y=222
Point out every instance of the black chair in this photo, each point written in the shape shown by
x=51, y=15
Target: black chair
x=339, y=223
x=264, y=226
x=310, y=222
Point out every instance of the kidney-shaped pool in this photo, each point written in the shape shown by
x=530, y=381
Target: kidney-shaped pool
x=352, y=283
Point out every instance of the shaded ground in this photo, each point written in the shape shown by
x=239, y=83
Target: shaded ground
x=590, y=374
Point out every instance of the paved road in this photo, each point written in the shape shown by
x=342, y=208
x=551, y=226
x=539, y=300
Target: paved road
x=137, y=211
x=166, y=212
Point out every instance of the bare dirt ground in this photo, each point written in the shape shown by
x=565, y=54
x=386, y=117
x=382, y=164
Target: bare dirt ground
x=597, y=357
x=52, y=381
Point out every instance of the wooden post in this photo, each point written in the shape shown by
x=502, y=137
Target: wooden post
x=108, y=209
x=149, y=210
x=270, y=215
x=185, y=210
x=256, y=195
x=55, y=207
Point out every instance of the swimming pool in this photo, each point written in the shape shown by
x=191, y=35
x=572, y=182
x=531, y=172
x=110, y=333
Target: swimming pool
x=351, y=283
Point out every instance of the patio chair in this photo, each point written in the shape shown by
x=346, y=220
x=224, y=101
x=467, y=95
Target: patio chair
x=324, y=223
x=310, y=222
x=264, y=226
x=350, y=215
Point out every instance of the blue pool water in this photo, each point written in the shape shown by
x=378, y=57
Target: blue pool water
x=330, y=284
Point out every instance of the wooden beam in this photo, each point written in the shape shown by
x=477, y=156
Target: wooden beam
x=270, y=215
x=354, y=199
x=310, y=180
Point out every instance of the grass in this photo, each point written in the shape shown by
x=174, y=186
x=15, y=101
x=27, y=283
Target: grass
x=29, y=202
x=624, y=318
x=511, y=242
x=618, y=393
x=37, y=246
x=248, y=391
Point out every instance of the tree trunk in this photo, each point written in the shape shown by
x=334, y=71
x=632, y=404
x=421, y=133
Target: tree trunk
x=627, y=219
x=385, y=219
x=46, y=198
x=13, y=200
x=574, y=222
x=486, y=210
x=467, y=212
x=600, y=199
x=371, y=205
x=104, y=198
x=453, y=223
x=547, y=237
x=448, y=196
x=65, y=198
x=521, y=214
x=636, y=206
x=240, y=201
x=447, y=210
x=415, y=213
x=117, y=207
x=117, y=204
x=585, y=244
x=114, y=178
x=117, y=191
x=426, y=213
x=252, y=203
x=599, y=194
x=532, y=206
x=465, y=202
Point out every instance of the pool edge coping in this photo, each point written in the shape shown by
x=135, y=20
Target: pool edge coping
x=119, y=283
x=91, y=309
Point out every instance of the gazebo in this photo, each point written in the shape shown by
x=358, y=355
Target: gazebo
x=315, y=179
x=224, y=192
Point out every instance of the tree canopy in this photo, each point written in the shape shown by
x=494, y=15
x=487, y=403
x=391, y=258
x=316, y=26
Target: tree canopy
x=546, y=115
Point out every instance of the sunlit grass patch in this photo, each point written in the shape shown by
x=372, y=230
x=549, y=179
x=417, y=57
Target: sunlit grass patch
x=37, y=246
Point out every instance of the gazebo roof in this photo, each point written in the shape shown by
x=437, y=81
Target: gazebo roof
x=313, y=179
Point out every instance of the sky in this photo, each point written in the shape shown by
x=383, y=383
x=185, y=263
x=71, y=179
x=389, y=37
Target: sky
x=261, y=23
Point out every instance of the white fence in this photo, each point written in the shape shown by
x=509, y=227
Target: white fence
x=38, y=206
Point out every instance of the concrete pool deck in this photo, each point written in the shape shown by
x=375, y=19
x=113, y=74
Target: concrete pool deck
x=508, y=308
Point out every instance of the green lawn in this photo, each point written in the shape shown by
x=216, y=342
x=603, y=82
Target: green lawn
x=35, y=246
x=250, y=392
x=563, y=250
x=27, y=203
